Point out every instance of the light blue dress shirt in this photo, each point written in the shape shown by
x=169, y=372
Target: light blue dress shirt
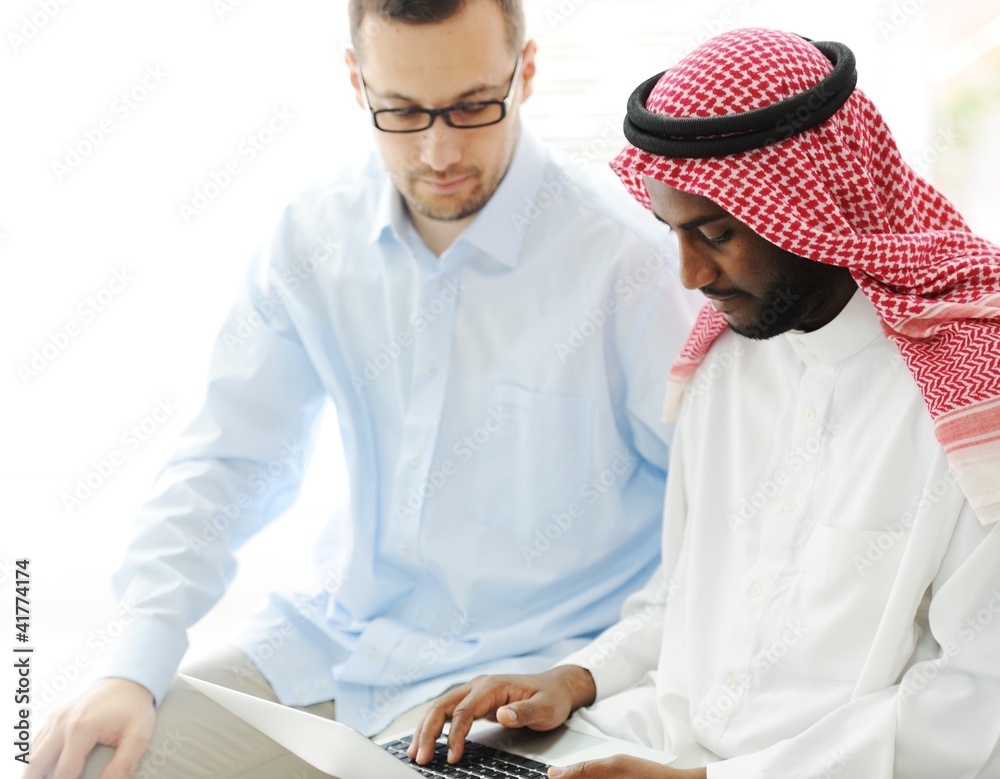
x=500, y=410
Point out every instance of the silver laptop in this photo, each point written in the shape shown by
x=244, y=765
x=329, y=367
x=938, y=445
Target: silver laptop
x=491, y=749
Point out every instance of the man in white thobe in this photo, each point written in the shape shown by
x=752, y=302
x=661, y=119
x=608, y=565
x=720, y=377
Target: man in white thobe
x=829, y=599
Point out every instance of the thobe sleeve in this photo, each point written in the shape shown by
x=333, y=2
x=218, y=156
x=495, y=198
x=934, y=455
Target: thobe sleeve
x=943, y=717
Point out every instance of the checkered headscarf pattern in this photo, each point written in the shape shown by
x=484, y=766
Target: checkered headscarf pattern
x=840, y=193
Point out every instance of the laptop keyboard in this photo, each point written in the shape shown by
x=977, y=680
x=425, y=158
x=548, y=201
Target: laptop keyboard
x=477, y=761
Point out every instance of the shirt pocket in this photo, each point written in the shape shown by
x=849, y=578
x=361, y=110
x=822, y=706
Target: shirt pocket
x=837, y=600
x=536, y=464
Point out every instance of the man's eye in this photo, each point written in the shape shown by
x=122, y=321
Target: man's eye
x=469, y=110
x=718, y=239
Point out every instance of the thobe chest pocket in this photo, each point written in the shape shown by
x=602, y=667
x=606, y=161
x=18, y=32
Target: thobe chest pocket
x=837, y=601
x=534, y=466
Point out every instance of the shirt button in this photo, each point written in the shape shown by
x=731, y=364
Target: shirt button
x=432, y=371
x=810, y=415
x=789, y=506
x=419, y=612
x=404, y=550
x=731, y=682
x=300, y=690
x=416, y=461
x=369, y=655
x=755, y=590
x=441, y=283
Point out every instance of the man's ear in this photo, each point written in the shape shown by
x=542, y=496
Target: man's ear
x=351, y=60
x=528, y=69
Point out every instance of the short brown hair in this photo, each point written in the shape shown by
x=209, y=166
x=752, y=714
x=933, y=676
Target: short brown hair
x=429, y=12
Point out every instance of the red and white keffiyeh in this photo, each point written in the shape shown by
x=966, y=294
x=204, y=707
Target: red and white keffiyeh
x=840, y=193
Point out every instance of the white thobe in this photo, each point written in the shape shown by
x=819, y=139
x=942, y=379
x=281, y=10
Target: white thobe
x=828, y=605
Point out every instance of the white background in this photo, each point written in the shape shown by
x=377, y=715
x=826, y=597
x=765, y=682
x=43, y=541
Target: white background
x=227, y=66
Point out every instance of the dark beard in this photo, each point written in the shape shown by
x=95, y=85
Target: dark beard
x=794, y=297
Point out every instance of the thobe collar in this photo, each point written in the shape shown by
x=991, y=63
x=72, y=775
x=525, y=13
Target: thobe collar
x=853, y=329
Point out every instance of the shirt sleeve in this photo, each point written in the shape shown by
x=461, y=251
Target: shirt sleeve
x=655, y=317
x=238, y=465
x=941, y=718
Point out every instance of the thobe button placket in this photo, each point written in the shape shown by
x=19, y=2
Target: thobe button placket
x=755, y=590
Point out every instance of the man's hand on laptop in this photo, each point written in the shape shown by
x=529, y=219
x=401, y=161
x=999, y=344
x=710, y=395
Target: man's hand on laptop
x=537, y=701
x=116, y=712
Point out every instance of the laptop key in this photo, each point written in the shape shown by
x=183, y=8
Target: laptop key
x=478, y=762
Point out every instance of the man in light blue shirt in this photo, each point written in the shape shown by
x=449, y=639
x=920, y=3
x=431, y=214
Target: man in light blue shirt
x=494, y=330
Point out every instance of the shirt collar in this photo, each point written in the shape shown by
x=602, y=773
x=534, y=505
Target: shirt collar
x=389, y=213
x=492, y=232
x=854, y=328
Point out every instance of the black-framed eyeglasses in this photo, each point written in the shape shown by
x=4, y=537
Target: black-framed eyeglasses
x=479, y=113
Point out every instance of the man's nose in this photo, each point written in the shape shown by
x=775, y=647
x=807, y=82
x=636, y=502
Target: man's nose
x=441, y=145
x=696, y=269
